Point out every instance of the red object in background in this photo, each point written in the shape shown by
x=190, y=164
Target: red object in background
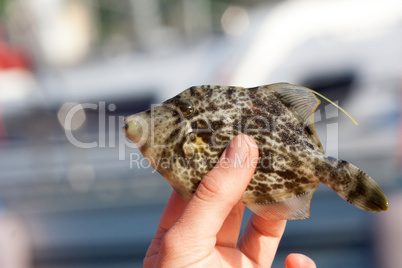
x=12, y=57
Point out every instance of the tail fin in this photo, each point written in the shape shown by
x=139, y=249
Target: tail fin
x=352, y=184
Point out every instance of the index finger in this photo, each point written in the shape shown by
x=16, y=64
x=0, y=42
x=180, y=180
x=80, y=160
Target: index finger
x=261, y=238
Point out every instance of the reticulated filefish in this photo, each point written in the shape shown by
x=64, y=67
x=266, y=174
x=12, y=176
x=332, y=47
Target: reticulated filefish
x=184, y=137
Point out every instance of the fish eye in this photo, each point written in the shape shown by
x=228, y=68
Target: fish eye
x=186, y=108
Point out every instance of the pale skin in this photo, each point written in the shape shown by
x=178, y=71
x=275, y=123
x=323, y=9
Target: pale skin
x=205, y=231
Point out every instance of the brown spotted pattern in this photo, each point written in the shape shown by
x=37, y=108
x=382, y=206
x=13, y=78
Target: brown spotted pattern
x=183, y=145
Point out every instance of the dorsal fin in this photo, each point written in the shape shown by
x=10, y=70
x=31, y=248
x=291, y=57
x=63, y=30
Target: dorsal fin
x=303, y=102
x=300, y=98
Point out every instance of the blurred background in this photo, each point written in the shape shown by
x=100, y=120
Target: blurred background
x=63, y=205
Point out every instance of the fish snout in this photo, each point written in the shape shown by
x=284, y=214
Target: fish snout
x=133, y=128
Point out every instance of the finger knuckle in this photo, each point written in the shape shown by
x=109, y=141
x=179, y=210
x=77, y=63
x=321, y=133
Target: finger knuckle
x=209, y=189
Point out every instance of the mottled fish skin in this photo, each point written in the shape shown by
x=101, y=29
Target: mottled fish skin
x=184, y=137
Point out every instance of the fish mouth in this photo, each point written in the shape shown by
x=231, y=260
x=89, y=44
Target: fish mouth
x=136, y=128
x=132, y=128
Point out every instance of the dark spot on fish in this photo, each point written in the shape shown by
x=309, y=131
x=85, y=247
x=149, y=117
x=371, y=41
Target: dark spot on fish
x=263, y=198
x=246, y=111
x=341, y=163
x=263, y=123
x=286, y=139
x=290, y=185
x=178, y=120
x=319, y=168
x=309, y=145
x=304, y=180
x=182, y=161
x=308, y=130
x=303, y=155
x=229, y=92
x=258, y=177
x=222, y=138
x=206, y=137
x=263, y=188
x=212, y=107
x=173, y=135
x=202, y=124
x=192, y=91
x=277, y=186
x=249, y=188
x=215, y=125
x=356, y=193
x=227, y=106
x=296, y=163
x=265, y=163
x=259, y=139
x=250, y=126
x=274, y=107
x=178, y=148
x=258, y=103
x=194, y=164
x=287, y=174
x=295, y=128
x=251, y=132
x=267, y=153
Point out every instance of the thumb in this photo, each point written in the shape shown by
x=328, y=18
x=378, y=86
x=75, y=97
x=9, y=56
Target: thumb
x=219, y=191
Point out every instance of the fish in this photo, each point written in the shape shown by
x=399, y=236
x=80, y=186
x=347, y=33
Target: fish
x=183, y=138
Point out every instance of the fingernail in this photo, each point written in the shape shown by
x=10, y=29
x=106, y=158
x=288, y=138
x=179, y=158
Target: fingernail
x=250, y=142
x=237, y=151
x=309, y=261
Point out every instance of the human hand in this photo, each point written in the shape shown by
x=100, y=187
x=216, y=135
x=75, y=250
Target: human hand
x=205, y=232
